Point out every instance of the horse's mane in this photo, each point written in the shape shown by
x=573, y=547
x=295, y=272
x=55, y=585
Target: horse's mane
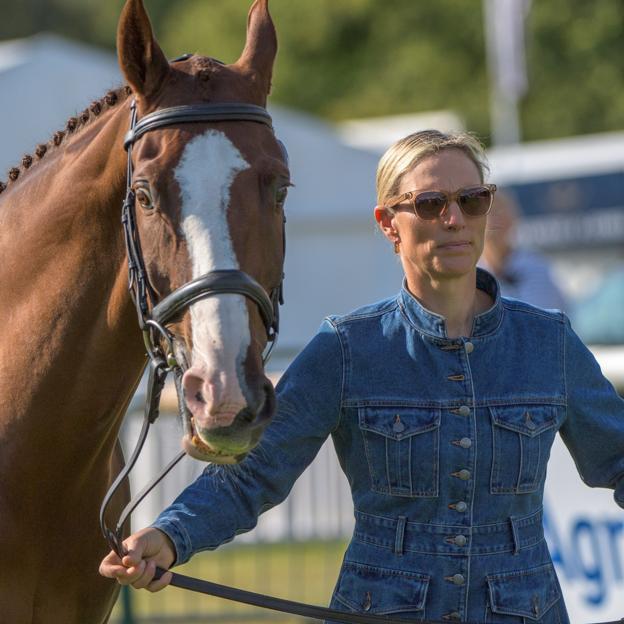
x=112, y=98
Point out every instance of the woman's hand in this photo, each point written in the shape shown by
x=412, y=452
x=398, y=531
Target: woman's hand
x=147, y=549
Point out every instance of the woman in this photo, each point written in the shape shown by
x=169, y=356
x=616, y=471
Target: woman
x=443, y=403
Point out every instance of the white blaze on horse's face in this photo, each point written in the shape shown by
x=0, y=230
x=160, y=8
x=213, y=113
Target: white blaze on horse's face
x=214, y=385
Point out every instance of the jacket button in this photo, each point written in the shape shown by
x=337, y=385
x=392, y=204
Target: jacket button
x=458, y=579
x=460, y=540
x=464, y=410
x=461, y=506
x=469, y=347
x=464, y=474
x=529, y=423
x=454, y=615
x=368, y=601
x=465, y=443
x=398, y=426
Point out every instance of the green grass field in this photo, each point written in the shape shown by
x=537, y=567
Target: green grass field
x=301, y=571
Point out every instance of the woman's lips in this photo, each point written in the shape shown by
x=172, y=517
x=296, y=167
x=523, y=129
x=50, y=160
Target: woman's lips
x=455, y=245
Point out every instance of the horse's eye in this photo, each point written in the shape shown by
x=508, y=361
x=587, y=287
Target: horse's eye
x=280, y=196
x=144, y=199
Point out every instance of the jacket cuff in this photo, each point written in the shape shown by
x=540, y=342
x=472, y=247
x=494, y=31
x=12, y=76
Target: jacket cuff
x=180, y=538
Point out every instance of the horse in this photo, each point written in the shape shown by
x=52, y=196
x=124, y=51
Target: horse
x=202, y=189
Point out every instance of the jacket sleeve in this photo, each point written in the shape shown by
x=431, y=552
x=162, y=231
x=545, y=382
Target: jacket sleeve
x=594, y=427
x=227, y=500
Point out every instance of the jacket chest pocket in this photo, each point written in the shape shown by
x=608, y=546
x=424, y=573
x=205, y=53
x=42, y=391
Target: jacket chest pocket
x=402, y=449
x=522, y=437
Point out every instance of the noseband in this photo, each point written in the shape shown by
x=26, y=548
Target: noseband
x=154, y=316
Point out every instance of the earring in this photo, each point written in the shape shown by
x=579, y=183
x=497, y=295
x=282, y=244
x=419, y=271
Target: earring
x=397, y=244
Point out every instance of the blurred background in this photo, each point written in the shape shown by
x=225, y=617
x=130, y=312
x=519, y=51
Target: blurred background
x=540, y=83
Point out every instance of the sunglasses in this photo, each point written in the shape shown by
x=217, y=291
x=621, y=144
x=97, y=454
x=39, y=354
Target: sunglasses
x=474, y=201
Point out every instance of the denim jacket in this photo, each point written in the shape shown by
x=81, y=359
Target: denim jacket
x=444, y=443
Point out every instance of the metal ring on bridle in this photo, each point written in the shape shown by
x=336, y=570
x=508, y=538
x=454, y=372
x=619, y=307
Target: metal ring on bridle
x=153, y=350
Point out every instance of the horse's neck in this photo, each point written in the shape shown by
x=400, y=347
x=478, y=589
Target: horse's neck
x=71, y=353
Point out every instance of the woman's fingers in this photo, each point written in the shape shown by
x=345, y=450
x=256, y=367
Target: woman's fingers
x=144, y=550
x=161, y=583
x=122, y=574
x=146, y=579
x=146, y=576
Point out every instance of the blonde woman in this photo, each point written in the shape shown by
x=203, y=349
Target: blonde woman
x=442, y=402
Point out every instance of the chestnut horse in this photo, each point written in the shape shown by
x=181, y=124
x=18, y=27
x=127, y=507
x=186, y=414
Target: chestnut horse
x=207, y=196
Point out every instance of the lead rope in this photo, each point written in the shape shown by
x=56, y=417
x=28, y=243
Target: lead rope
x=288, y=606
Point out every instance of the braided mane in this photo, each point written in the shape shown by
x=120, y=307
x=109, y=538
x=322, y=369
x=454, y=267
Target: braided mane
x=111, y=99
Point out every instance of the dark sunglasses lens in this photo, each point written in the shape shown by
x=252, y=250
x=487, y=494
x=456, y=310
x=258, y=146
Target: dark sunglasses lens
x=475, y=201
x=429, y=205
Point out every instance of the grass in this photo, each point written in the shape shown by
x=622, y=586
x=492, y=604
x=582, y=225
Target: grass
x=301, y=571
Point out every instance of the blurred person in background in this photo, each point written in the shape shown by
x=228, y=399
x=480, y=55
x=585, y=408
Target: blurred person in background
x=522, y=273
x=442, y=402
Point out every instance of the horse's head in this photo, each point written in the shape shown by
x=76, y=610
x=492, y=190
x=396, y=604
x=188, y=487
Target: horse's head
x=208, y=196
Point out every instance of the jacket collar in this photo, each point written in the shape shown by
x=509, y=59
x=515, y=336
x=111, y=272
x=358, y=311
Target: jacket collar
x=434, y=325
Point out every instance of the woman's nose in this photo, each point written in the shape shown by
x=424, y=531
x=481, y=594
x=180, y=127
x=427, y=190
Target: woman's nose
x=452, y=216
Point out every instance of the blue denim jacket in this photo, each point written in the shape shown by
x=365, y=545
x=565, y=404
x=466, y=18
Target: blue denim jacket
x=444, y=443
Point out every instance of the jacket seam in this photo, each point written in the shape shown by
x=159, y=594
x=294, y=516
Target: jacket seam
x=342, y=380
x=355, y=316
x=557, y=317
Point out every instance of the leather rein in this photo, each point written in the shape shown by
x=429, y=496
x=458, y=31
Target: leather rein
x=153, y=318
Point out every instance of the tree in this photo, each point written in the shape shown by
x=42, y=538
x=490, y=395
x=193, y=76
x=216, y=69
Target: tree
x=357, y=58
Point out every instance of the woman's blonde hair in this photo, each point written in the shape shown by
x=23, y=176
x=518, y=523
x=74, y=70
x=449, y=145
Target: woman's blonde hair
x=406, y=153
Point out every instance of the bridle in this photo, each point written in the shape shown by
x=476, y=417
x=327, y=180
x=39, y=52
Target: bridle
x=216, y=282
x=154, y=316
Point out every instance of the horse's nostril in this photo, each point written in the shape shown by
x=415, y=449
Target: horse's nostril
x=245, y=416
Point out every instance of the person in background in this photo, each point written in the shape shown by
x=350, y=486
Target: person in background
x=522, y=274
x=442, y=401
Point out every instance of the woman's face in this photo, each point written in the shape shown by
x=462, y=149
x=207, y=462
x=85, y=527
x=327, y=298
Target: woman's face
x=446, y=247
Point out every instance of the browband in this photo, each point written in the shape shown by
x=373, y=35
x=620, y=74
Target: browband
x=197, y=113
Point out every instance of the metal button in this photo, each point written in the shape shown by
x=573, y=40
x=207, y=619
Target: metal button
x=368, y=601
x=465, y=443
x=461, y=506
x=464, y=410
x=469, y=347
x=460, y=540
x=458, y=579
x=464, y=474
x=529, y=423
x=454, y=615
x=398, y=426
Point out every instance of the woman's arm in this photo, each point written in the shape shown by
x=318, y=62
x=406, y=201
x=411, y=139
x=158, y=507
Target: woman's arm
x=594, y=427
x=227, y=500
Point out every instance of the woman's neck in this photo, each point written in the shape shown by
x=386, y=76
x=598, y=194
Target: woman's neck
x=456, y=299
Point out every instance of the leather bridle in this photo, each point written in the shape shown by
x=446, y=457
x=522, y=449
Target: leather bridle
x=217, y=282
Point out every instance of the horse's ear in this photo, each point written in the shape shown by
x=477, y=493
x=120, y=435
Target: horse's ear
x=140, y=58
x=261, y=44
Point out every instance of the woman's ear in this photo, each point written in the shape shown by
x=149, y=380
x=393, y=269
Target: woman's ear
x=385, y=220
